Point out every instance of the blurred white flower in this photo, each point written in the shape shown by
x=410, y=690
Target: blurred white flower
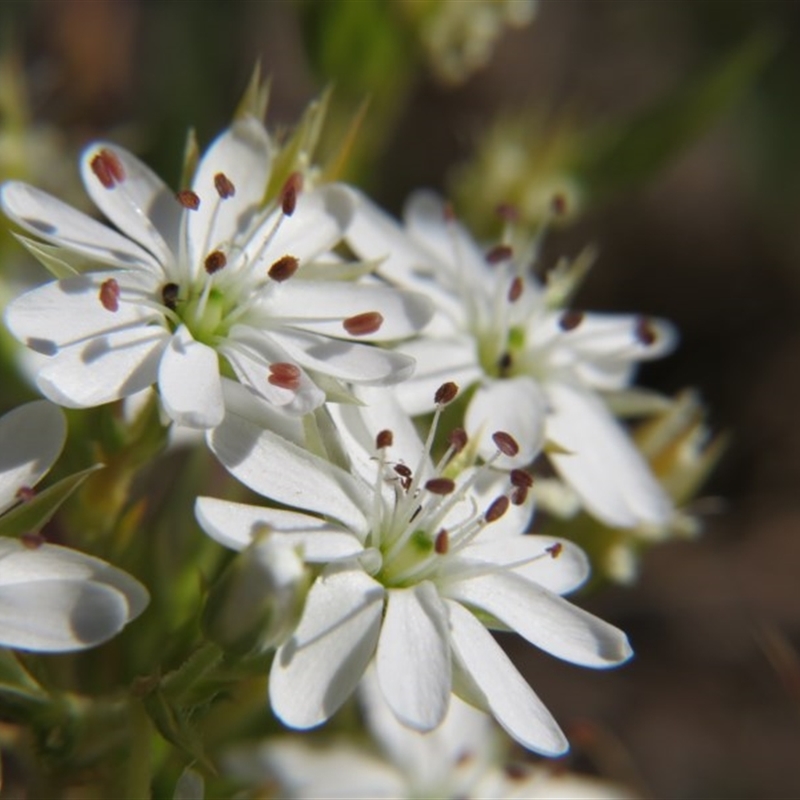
x=417, y=566
x=52, y=599
x=205, y=273
x=541, y=373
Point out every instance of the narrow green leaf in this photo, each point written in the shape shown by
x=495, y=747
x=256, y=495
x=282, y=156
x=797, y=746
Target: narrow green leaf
x=59, y=262
x=32, y=515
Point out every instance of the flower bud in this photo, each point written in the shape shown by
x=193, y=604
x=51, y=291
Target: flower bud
x=259, y=598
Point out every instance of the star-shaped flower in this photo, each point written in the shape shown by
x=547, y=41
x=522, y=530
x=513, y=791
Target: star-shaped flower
x=52, y=599
x=212, y=271
x=416, y=567
x=542, y=373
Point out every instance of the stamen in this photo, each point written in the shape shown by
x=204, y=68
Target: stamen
x=645, y=332
x=515, y=772
x=289, y=192
x=109, y=294
x=446, y=393
x=507, y=212
x=506, y=443
x=283, y=268
x=442, y=542
x=504, y=363
x=500, y=252
x=570, y=320
x=108, y=168
x=384, y=439
x=559, y=204
x=285, y=376
x=449, y=213
x=519, y=495
x=521, y=479
x=363, y=324
x=224, y=186
x=32, y=541
x=402, y=470
x=457, y=439
x=25, y=493
x=215, y=261
x=497, y=509
x=515, y=290
x=555, y=549
x=440, y=486
x=169, y=295
x=188, y=199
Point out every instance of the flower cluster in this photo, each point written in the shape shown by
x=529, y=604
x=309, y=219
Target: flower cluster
x=308, y=334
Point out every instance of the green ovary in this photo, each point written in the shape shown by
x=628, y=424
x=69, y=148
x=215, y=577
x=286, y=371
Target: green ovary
x=415, y=551
x=205, y=320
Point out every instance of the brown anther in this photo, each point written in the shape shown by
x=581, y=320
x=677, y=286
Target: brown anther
x=506, y=443
x=288, y=196
x=402, y=470
x=363, y=324
x=442, y=542
x=169, y=295
x=515, y=290
x=188, y=199
x=215, y=261
x=25, y=493
x=32, y=541
x=507, y=212
x=440, y=486
x=224, y=186
x=521, y=478
x=570, y=320
x=519, y=495
x=446, y=393
x=109, y=295
x=515, y=772
x=285, y=376
x=500, y=252
x=108, y=168
x=448, y=212
x=457, y=439
x=555, y=549
x=645, y=331
x=559, y=204
x=497, y=509
x=504, y=363
x=283, y=268
x=384, y=439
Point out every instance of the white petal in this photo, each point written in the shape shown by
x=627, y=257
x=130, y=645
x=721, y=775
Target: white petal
x=235, y=524
x=243, y=154
x=413, y=659
x=320, y=666
x=438, y=361
x=140, y=205
x=67, y=311
x=516, y=406
x=55, y=599
x=544, y=619
x=349, y=361
x=532, y=557
x=316, y=227
x=512, y=702
x=103, y=369
x=286, y=472
x=250, y=353
x=321, y=307
x=603, y=466
x=54, y=221
x=31, y=438
x=189, y=382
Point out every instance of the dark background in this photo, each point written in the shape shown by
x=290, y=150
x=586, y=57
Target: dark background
x=710, y=706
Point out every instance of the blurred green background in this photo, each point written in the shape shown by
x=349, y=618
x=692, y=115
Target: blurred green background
x=673, y=128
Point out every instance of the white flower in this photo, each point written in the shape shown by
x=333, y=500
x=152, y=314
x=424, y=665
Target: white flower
x=52, y=599
x=462, y=758
x=205, y=273
x=542, y=374
x=417, y=566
